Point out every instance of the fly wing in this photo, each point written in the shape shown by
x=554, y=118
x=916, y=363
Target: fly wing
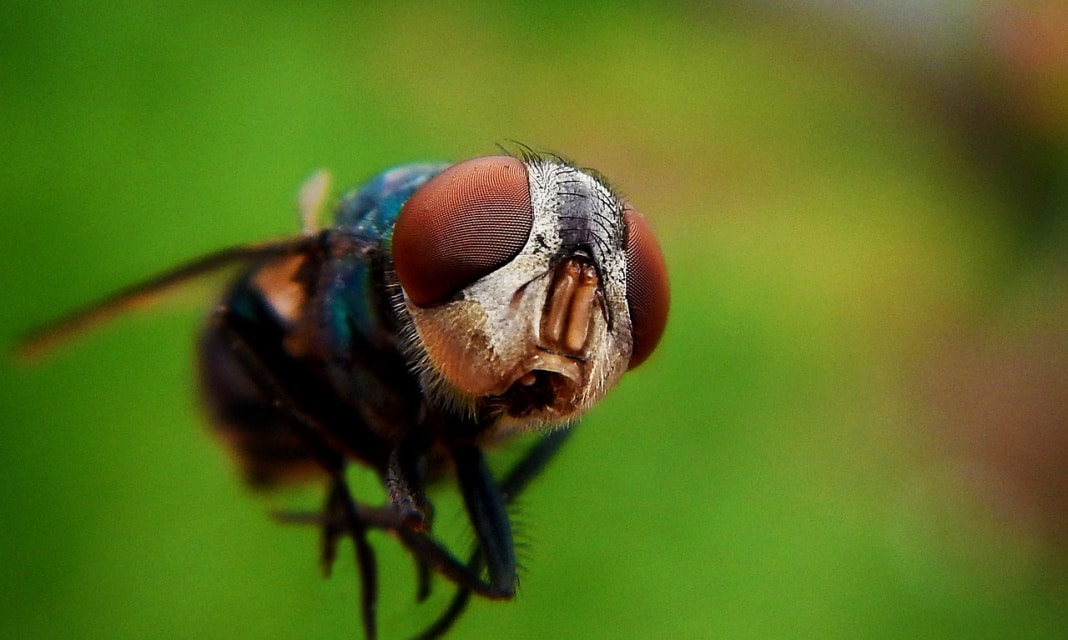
x=38, y=342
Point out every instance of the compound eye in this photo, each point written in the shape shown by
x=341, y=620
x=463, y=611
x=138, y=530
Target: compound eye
x=647, y=287
x=463, y=224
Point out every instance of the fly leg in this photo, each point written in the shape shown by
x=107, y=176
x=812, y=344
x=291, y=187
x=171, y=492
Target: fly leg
x=340, y=500
x=341, y=514
x=405, y=480
x=511, y=485
x=485, y=506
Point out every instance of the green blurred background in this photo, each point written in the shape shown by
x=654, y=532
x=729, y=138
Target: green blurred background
x=857, y=424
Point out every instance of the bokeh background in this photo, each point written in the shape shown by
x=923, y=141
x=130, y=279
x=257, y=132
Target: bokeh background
x=857, y=424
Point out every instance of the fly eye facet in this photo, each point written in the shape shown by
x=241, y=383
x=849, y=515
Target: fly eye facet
x=463, y=224
x=647, y=287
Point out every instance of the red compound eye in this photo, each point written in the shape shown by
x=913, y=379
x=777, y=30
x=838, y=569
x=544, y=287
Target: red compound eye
x=647, y=287
x=463, y=224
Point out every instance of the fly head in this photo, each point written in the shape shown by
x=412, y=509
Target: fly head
x=529, y=286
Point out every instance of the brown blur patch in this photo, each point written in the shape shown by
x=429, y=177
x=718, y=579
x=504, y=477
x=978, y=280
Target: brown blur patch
x=1030, y=42
x=1000, y=398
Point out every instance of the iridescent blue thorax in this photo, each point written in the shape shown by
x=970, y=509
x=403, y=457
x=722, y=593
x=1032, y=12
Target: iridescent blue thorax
x=346, y=319
x=372, y=209
x=354, y=301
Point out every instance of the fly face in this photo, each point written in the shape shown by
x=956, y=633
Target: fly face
x=530, y=286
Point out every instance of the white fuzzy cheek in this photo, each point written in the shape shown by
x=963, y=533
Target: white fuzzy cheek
x=512, y=310
x=458, y=349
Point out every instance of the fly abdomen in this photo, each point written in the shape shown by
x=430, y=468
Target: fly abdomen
x=260, y=434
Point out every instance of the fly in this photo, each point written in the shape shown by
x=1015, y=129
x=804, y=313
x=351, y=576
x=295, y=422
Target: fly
x=446, y=310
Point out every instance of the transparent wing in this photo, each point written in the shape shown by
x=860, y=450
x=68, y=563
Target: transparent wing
x=40, y=341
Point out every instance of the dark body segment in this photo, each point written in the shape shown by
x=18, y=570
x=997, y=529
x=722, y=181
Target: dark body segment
x=323, y=323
